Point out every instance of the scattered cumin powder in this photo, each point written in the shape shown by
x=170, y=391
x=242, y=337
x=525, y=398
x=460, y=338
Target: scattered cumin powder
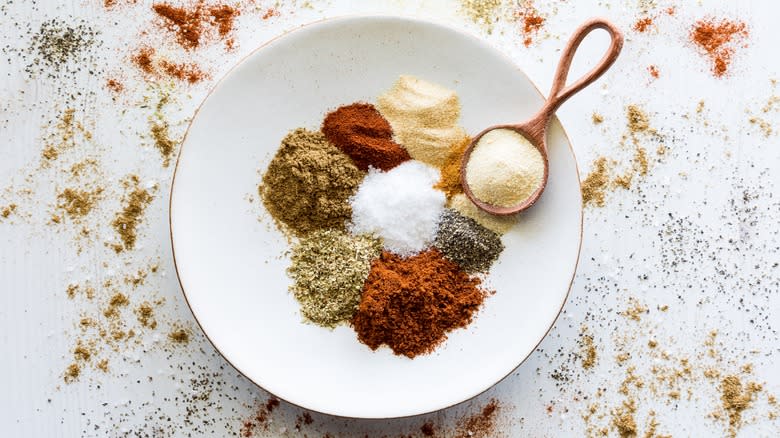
x=635, y=310
x=179, y=336
x=765, y=126
x=72, y=373
x=126, y=222
x=637, y=119
x=117, y=301
x=64, y=134
x=78, y=203
x=82, y=353
x=7, y=210
x=595, y=185
x=718, y=39
x=623, y=420
x=450, y=171
x=145, y=315
x=643, y=24
x=588, y=349
x=736, y=399
x=102, y=365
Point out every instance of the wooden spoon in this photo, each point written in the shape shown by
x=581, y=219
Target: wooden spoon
x=535, y=129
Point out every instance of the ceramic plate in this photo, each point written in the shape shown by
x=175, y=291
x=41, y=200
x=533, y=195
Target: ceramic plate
x=232, y=266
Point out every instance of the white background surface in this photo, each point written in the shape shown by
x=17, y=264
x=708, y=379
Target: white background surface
x=717, y=274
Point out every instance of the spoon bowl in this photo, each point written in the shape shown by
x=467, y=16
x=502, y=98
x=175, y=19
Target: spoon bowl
x=535, y=129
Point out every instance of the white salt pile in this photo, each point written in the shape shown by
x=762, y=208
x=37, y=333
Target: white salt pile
x=400, y=206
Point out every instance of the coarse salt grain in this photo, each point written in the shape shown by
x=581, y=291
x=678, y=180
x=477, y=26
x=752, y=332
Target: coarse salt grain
x=400, y=206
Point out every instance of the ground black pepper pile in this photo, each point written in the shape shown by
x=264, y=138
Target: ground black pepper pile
x=461, y=239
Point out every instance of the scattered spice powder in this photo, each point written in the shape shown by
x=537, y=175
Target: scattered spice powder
x=271, y=12
x=718, y=39
x=736, y=399
x=126, y=222
x=78, y=203
x=588, y=349
x=410, y=304
x=146, y=59
x=479, y=425
x=179, y=336
x=643, y=24
x=362, y=133
x=596, y=118
x=72, y=373
x=623, y=420
x=115, y=86
x=188, y=23
x=261, y=418
x=66, y=133
x=653, y=70
x=145, y=315
x=595, y=185
x=531, y=22
x=6, y=211
x=484, y=13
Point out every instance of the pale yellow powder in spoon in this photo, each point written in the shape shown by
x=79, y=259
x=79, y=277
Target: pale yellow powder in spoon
x=504, y=169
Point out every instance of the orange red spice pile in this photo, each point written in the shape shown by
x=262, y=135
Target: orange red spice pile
x=719, y=39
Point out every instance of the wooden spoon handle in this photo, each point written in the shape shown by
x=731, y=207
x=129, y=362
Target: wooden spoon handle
x=559, y=94
x=536, y=127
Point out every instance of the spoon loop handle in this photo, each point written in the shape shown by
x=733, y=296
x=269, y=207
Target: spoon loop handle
x=559, y=94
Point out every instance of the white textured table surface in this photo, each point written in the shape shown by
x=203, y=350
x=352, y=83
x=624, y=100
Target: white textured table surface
x=694, y=242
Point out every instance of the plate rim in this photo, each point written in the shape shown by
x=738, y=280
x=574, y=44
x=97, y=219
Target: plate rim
x=346, y=18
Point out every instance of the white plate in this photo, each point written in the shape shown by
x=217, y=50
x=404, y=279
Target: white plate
x=232, y=268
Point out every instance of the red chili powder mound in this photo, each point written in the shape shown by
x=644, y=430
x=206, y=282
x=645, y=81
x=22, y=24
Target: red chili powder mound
x=188, y=22
x=361, y=132
x=643, y=24
x=410, y=304
x=717, y=39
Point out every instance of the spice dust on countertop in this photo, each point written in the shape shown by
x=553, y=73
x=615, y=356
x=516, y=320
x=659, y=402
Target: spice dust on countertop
x=696, y=235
